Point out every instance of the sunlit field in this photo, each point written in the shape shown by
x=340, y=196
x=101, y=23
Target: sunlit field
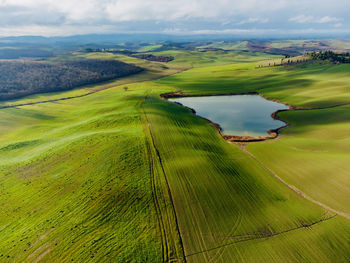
x=113, y=172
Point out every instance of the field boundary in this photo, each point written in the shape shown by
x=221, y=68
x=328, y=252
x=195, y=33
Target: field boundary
x=294, y=188
x=255, y=236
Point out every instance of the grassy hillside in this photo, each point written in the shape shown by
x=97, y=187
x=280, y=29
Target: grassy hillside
x=75, y=182
x=212, y=57
x=313, y=154
x=125, y=176
x=81, y=183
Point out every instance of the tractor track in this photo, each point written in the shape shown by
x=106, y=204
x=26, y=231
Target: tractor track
x=152, y=143
x=160, y=219
x=165, y=249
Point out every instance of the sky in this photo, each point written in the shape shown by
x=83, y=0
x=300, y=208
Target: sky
x=233, y=17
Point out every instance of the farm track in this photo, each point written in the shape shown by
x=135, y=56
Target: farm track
x=165, y=249
x=220, y=251
x=293, y=188
x=157, y=195
x=256, y=236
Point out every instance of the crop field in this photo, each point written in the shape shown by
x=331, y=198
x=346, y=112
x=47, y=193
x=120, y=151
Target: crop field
x=313, y=154
x=114, y=173
x=217, y=57
x=70, y=178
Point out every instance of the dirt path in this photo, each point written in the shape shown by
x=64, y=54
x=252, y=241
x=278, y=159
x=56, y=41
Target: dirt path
x=292, y=187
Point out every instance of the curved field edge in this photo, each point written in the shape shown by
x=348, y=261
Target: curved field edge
x=313, y=154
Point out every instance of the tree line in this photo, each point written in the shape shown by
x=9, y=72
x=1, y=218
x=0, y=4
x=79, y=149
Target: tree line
x=134, y=54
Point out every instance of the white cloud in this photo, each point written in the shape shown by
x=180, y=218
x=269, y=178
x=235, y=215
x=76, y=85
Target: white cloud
x=64, y=30
x=77, y=16
x=252, y=20
x=303, y=19
x=327, y=19
x=126, y=10
x=140, y=10
x=234, y=31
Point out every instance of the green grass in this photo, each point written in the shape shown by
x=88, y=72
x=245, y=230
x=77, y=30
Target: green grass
x=75, y=183
x=313, y=154
x=209, y=58
x=125, y=176
x=239, y=45
x=149, y=48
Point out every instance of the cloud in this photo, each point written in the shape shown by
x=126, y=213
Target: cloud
x=303, y=19
x=252, y=20
x=141, y=10
x=236, y=31
x=126, y=10
x=52, y=17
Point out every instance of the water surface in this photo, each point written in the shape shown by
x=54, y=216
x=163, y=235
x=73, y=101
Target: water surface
x=242, y=115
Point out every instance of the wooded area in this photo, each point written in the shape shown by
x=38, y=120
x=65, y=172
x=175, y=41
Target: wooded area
x=332, y=56
x=22, y=78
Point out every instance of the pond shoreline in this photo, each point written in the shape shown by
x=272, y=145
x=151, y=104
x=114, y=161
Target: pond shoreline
x=273, y=133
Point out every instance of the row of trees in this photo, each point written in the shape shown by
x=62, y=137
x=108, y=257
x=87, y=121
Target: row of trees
x=134, y=54
x=22, y=78
x=332, y=56
x=151, y=57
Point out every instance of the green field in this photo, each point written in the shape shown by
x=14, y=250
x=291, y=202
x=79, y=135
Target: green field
x=126, y=176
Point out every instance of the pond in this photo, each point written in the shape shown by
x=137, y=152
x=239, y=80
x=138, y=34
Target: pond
x=241, y=115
